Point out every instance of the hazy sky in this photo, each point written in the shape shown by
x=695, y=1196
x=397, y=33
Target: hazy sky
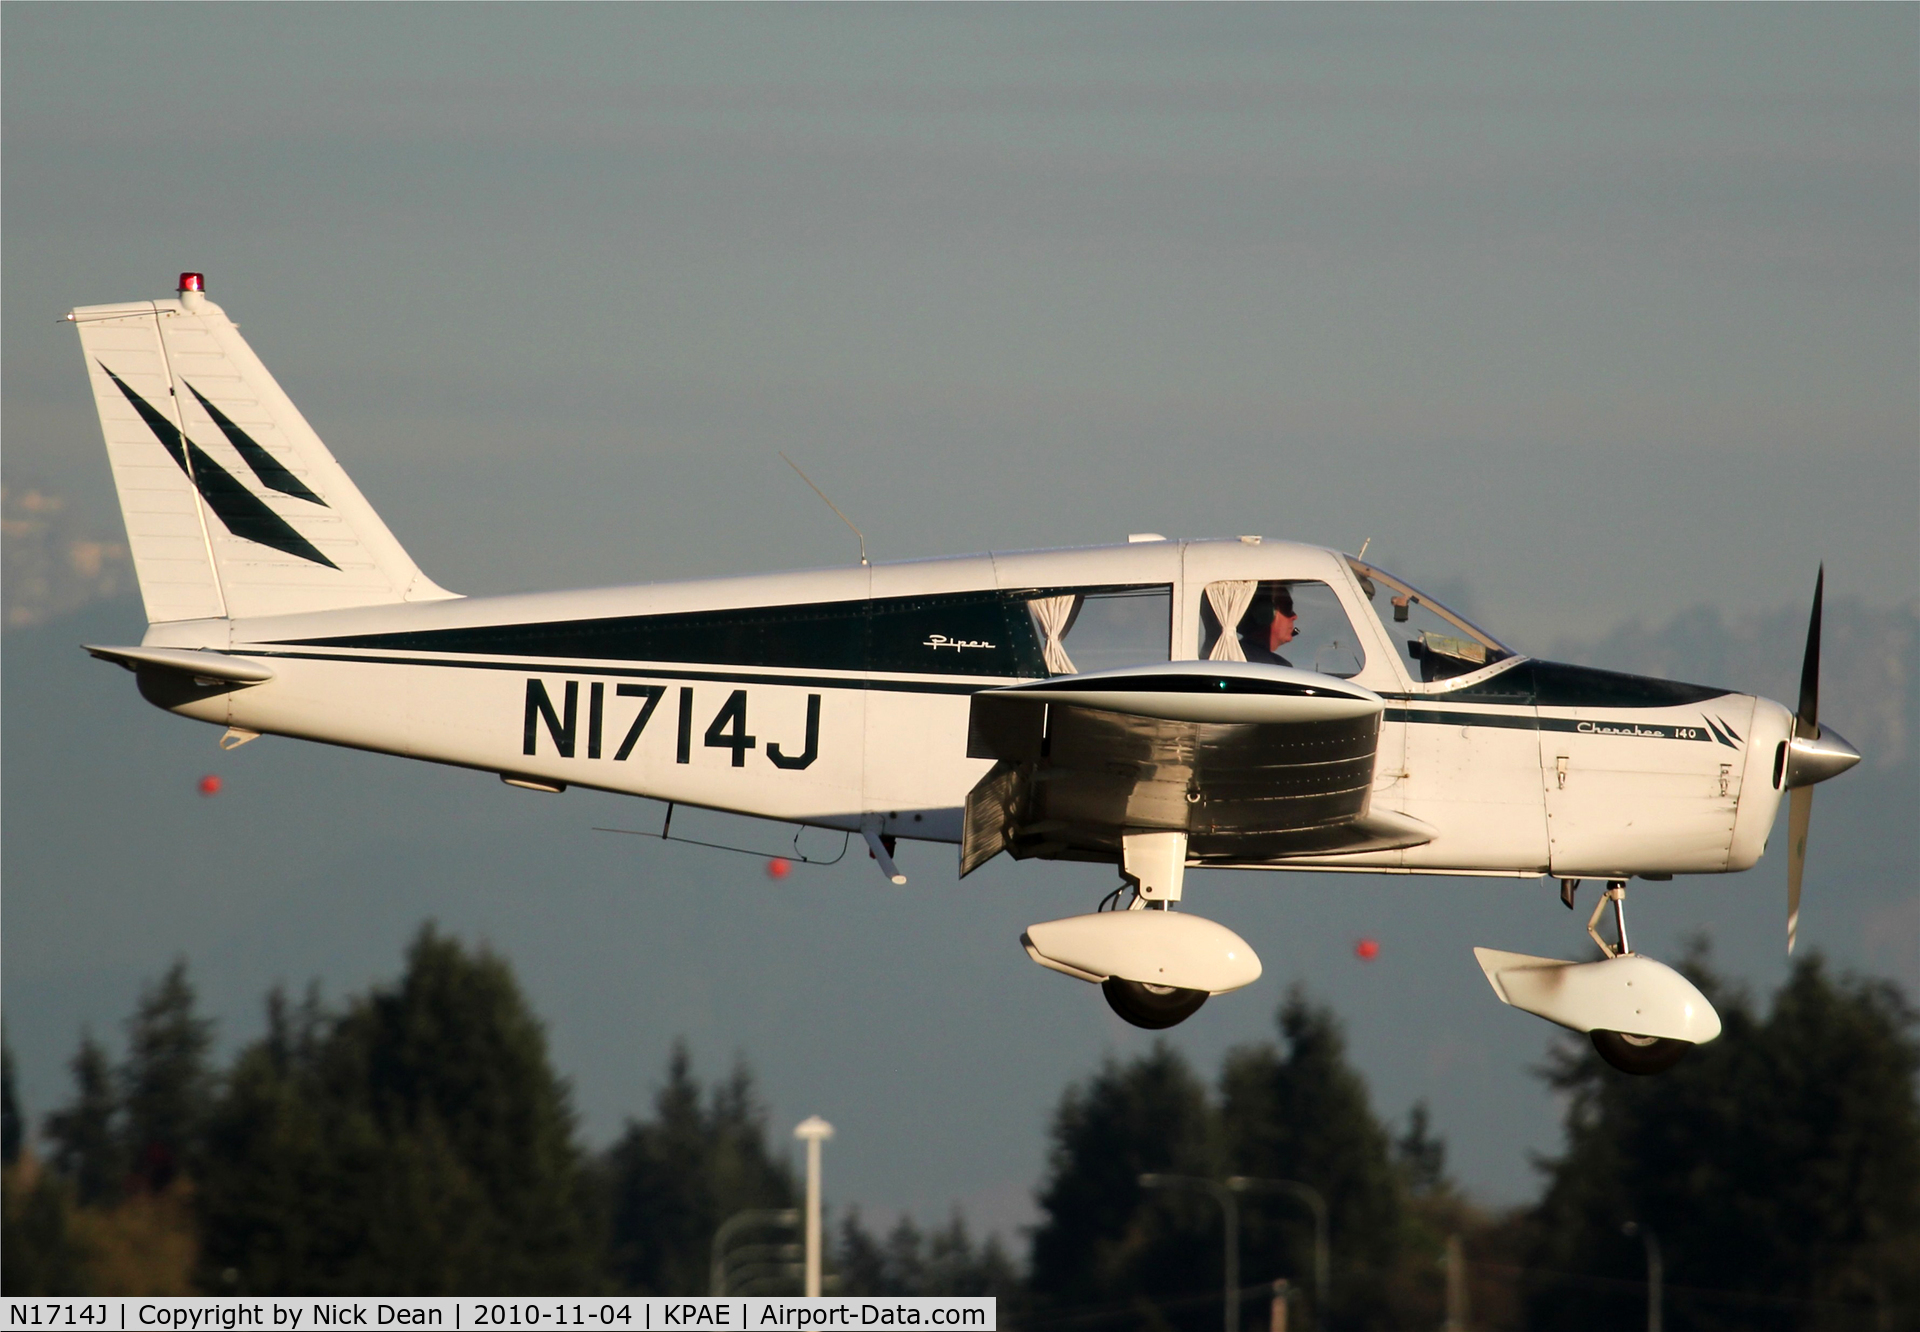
x=1604, y=309
x=1601, y=311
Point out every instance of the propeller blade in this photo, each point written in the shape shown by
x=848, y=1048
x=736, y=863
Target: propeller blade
x=1806, y=725
x=1799, y=813
x=1808, y=718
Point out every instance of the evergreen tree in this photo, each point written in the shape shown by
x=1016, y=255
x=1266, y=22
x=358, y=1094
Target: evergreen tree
x=1421, y=1156
x=36, y=1234
x=1300, y=1112
x=456, y=1064
x=166, y=1084
x=87, y=1144
x=670, y=1182
x=909, y=1262
x=1295, y=1112
x=1778, y=1165
x=291, y=1160
x=12, y=1130
x=418, y=1143
x=40, y=1257
x=1103, y=1241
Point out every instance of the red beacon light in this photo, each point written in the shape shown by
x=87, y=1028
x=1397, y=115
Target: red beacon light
x=193, y=282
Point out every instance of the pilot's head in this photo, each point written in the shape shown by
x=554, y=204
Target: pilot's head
x=1272, y=618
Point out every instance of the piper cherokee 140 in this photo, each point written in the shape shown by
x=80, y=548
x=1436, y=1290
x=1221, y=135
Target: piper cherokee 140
x=1238, y=703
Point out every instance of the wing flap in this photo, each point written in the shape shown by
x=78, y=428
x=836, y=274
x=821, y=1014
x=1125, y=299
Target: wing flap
x=993, y=812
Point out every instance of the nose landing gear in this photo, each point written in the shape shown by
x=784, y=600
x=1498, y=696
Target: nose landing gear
x=1641, y=1015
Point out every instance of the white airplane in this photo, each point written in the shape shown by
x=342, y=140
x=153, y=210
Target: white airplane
x=1239, y=703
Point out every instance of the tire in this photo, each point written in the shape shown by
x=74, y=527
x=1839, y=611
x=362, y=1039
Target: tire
x=1154, y=1007
x=1639, y=1055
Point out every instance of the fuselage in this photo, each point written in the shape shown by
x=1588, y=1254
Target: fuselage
x=840, y=698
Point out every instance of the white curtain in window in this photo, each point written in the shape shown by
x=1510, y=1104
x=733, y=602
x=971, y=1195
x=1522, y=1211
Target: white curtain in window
x=1051, y=616
x=1229, y=601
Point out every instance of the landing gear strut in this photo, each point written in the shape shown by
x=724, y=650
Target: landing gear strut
x=1617, y=894
x=1630, y=1053
x=1153, y=865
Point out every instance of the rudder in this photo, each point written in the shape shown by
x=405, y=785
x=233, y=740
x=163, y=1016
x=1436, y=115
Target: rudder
x=233, y=505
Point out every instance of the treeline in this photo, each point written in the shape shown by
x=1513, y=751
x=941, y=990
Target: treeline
x=1776, y=1170
x=416, y=1141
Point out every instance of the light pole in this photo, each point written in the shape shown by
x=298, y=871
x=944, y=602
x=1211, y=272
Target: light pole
x=1656, y=1272
x=813, y=1131
x=1311, y=1197
x=1229, y=1205
x=758, y=1216
x=1455, y=1261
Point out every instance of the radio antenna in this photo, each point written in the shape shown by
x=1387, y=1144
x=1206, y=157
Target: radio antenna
x=1363, y=549
x=831, y=505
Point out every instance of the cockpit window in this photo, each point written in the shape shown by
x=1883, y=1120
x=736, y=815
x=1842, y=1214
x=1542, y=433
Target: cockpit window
x=1435, y=643
x=1282, y=622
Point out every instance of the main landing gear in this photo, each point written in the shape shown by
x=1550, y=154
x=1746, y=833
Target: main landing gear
x=1155, y=966
x=1154, y=1007
x=1153, y=869
x=1626, y=1051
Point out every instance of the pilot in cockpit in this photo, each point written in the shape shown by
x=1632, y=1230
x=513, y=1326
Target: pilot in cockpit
x=1269, y=623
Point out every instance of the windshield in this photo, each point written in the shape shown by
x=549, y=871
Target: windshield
x=1435, y=643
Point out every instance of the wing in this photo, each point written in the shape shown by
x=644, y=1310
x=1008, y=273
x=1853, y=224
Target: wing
x=1254, y=763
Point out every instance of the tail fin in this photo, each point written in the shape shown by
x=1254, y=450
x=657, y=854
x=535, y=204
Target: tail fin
x=234, y=508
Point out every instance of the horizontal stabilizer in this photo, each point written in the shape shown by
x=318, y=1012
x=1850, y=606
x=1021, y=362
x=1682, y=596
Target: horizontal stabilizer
x=1631, y=994
x=213, y=666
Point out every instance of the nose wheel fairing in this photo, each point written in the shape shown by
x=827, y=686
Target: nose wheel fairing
x=1630, y=994
x=1642, y=1015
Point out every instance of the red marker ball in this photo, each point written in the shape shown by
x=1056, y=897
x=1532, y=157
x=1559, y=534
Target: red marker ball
x=209, y=785
x=1367, y=949
x=779, y=868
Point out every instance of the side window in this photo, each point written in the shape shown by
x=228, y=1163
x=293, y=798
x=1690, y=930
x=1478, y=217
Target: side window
x=952, y=633
x=1101, y=629
x=1282, y=622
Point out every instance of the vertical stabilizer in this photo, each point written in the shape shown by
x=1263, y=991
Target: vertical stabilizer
x=234, y=508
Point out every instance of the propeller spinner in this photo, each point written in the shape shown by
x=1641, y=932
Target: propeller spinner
x=1813, y=755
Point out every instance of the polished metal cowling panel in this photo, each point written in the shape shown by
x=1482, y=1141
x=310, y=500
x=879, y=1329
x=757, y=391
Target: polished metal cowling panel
x=1071, y=781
